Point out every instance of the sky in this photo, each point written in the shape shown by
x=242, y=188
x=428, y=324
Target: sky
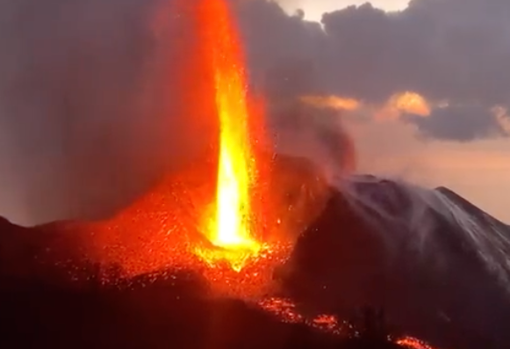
x=97, y=98
x=315, y=8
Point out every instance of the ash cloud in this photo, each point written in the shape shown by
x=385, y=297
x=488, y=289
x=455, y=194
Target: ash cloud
x=461, y=123
x=448, y=50
x=94, y=104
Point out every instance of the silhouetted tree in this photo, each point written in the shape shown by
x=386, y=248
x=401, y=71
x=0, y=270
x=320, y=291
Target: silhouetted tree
x=370, y=330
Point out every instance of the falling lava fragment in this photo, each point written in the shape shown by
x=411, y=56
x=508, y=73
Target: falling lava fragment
x=230, y=231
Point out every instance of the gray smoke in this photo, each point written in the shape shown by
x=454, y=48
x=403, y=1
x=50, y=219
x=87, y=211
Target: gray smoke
x=94, y=104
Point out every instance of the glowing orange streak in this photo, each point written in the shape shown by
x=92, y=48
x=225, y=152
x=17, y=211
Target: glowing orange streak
x=412, y=343
x=233, y=206
x=231, y=230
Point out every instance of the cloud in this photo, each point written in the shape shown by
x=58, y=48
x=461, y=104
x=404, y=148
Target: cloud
x=397, y=106
x=332, y=102
x=461, y=123
x=441, y=121
x=449, y=50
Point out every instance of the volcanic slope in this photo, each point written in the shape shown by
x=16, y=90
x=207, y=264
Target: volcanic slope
x=435, y=262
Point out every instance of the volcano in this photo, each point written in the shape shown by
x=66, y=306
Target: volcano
x=433, y=261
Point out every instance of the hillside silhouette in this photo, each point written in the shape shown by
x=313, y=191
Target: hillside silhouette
x=432, y=284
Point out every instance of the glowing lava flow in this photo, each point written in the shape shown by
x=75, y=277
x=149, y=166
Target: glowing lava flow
x=286, y=311
x=412, y=343
x=230, y=231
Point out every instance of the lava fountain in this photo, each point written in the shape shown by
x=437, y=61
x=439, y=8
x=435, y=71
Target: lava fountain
x=230, y=230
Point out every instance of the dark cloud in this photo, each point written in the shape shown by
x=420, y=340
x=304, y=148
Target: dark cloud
x=461, y=123
x=454, y=50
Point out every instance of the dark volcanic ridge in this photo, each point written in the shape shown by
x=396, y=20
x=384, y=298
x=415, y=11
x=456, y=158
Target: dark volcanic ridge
x=435, y=262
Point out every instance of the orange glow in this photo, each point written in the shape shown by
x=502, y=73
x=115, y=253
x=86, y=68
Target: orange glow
x=286, y=311
x=331, y=102
x=412, y=343
x=410, y=102
x=230, y=231
x=399, y=103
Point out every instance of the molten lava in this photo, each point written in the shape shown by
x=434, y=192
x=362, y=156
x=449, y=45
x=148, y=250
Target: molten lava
x=230, y=231
x=412, y=343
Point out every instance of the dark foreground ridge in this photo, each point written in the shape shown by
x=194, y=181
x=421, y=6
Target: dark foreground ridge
x=437, y=288
x=160, y=315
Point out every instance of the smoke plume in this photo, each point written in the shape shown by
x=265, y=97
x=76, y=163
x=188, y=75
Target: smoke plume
x=97, y=101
